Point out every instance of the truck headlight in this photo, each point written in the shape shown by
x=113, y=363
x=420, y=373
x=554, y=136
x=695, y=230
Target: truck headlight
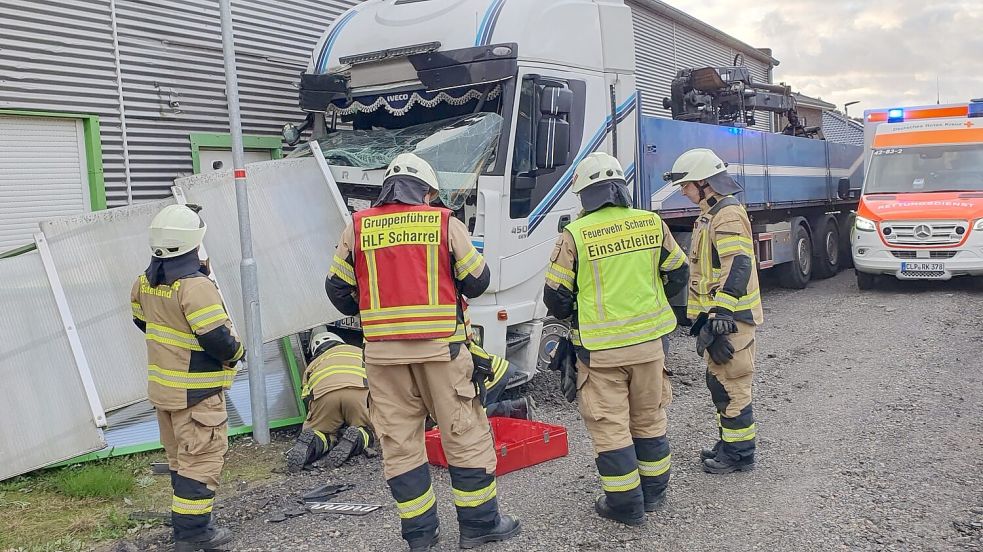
x=978, y=225
x=478, y=335
x=865, y=225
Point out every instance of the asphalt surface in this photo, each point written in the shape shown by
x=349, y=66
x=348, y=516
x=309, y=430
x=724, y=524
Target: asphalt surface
x=870, y=437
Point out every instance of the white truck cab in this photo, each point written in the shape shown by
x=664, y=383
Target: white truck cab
x=501, y=104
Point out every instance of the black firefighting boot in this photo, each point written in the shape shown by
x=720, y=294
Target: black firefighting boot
x=633, y=517
x=722, y=464
x=710, y=452
x=736, y=450
x=214, y=538
x=311, y=445
x=506, y=528
x=521, y=409
x=353, y=440
x=424, y=544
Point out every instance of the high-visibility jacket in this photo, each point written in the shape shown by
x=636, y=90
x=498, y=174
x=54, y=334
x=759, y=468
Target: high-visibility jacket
x=720, y=236
x=339, y=367
x=620, y=299
x=184, y=367
x=403, y=266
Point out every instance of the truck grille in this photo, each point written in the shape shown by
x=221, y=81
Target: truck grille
x=948, y=232
x=932, y=254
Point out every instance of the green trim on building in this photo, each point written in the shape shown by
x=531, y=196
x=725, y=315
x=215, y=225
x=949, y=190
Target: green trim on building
x=207, y=140
x=93, y=150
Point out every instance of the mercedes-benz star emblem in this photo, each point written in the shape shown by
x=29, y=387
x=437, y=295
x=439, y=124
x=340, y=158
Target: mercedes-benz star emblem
x=923, y=231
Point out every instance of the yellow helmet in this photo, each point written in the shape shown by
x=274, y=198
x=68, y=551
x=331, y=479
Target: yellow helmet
x=410, y=164
x=596, y=167
x=176, y=230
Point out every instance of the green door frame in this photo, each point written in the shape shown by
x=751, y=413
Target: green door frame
x=207, y=140
x=93, y=150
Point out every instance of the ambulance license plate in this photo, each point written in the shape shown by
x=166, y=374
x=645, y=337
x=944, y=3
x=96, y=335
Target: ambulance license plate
x=922, y=267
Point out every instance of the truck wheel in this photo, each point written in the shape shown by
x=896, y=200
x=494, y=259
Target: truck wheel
x=865, y=281
x=796, y=274
x=553, y=332
x=846, y=249
x=826, y=252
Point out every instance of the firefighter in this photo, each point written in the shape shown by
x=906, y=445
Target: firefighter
x=612, y=270
x=336, y=394
x=402, y=266
x=724, y=301
x=494, y=375
x=192, y=351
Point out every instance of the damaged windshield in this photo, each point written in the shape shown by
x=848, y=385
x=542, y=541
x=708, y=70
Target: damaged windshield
x=458, y=149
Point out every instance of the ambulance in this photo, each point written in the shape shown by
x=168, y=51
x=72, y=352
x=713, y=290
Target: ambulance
x=920, y=215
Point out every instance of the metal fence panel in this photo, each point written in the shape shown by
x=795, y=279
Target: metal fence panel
x=136, y=425
x=295, y=227
x=98, y=256
x=46, y=417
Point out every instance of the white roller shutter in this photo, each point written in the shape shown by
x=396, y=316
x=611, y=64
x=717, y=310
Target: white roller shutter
x=42, y=174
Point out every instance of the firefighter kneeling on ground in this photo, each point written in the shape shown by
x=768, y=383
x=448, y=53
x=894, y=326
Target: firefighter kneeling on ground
x=336, y=394
x=612, y=270
x=492, y=375
x=725, y=301
x=402, y=266
x=192, y=350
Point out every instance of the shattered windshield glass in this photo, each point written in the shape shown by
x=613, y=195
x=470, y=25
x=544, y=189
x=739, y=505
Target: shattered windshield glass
x=458, y=149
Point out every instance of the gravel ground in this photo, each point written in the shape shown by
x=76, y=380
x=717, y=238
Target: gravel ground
x=870, y=438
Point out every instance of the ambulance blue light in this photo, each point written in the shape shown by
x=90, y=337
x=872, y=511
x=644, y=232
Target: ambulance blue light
x=976, y=108
x=895, y=115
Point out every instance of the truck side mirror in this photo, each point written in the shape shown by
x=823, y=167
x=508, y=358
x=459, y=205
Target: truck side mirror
x=843, y=189
x=553, y=130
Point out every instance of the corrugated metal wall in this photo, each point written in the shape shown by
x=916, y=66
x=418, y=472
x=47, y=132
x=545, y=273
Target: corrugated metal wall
x=662, y=46
x=57, y=55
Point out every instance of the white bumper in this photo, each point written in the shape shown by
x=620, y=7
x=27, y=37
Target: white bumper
x=870, y=255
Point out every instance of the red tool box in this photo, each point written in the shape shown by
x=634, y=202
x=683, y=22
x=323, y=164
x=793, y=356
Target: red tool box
x=518, y=444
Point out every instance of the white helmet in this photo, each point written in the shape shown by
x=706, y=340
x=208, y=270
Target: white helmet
x=320, y=338
x=596, y=167
x=695, y=165
x=175, y=230
x=412, y=165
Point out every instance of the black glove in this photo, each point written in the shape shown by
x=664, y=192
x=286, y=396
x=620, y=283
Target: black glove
x=698, y=324
x=722, y=323
x=721, y=351
x=568, y=383
x=482, y=370
x=564, y=361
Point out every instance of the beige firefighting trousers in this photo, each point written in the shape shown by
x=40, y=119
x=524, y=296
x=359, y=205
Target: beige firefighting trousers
x=334, y=409
x=604, y=392
x=402, y=395
x=195, y=439
x=736, y=376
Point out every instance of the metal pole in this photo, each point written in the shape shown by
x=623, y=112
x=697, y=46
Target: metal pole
x=250, y=282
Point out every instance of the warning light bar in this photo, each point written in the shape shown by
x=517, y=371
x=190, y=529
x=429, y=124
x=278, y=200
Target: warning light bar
x=895, y=115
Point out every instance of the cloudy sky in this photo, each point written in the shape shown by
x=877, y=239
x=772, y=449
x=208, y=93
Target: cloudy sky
x=880, y=52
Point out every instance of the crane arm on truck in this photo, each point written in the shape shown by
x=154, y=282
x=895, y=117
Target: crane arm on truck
x=728, y=96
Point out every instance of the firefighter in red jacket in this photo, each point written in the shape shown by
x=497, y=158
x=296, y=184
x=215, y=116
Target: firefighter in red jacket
x=402, y=266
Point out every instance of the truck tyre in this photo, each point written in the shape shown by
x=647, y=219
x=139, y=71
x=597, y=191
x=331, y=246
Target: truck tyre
x=866, y=281
x=846, y=248
x=796, y=274
x=826, y=250
x=553, y=331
